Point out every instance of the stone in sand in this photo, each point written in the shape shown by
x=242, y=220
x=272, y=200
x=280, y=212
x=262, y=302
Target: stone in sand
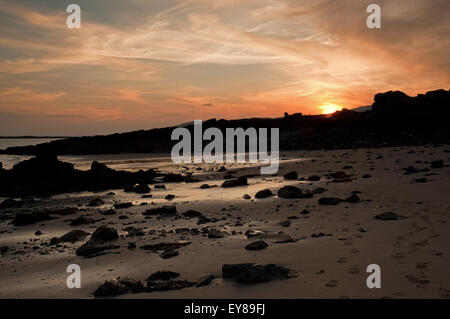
x=96, y=202
x=164, y=210
x=163, y=275
x=168, y=254
x=389, y=216
x=240, y=181
x=291, y=192
x=285, y=223
x=173, y=178
x=22, y=219
x=314, y=178
x=264, y=193
x=254, y=273
x=82, y=220
x=257, y=245
x=205, y=280
x=216, y=234
x=291, y=176
x=437, y=164
x=353, y=199
x=111, y=288
x=170, y=196
x=74, y=235
x=123, y=205
x=246, y=196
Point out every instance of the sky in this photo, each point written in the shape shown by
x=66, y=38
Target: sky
x=140, y=64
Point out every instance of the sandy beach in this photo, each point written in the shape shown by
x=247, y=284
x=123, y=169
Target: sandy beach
x=329, y=246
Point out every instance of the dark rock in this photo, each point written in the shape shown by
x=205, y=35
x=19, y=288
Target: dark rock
x=205, y=280
x=291, y=176
x=305, y=212
x=138, y=189
x=318, y=190
x=254, y=273
x=168, y=254
x=257, y=245
x=366, y=176
x=246, y=196
x=313, y=178
x=104, y=233
x=123, y=205
x=421, y=180
x=437, y=164
x=74, y=236
x=96, y=202
x=164, y=210
x=240, y=181
x=170, y=197
x=131, y=245
x=134, y=286
x=55, y=241
x=173, y=178
x=389, y=216
x=10, y=203
x=216, y=234
x=285, y=223
x=22, y=219
x=292, y=192
x=204, y=186
x=222, y=169
x=38, y=233
x=353, y=199
x=165, y=246
x=168, y=285
x=134, y=232
x=111, y=288
x=264, y=193
x=192, y=213
x=97, y=241
x=108, y=212
x=82, y=220
x=329, y=201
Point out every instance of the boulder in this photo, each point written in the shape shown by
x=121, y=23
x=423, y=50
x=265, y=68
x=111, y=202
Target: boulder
x=264, y=193
x=240, y=181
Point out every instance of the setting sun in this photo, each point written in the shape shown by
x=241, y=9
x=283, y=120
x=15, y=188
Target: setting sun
x=329, y=108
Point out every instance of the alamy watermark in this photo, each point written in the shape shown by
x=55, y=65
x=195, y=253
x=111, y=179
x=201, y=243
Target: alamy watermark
x=213, y=152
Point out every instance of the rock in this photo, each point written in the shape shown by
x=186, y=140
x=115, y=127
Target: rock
x=192, y=213
x=164, y=210
x=138, y=189
x=173, y=178
x=421, y=180
x=131, y=245
x=74, y=236
x=160, y=186
x=22, y=219
x=257, y=245
x=96, y=202
x=305, y=212
x=263, y=194
x=291, y=176
x=163, y=275
x=10, y=203
x=389, y=216
x=292, y=192
x=437, y=164
x=165, y=246
x=353, y=199
x=366, y=176
x=134, y=232
x=108, y=212
x=132, y=285
x=204, y=186
x=38, y=233
x=362, y=230
x=240, y=181
x=222, y=169
x=205, y=280
x=340, y=177
x=285, y=223
x=170, y=197
x=246, y=196
x=216, y=234
x=329, y=201
x=123, y=205
x=318, y=190
x=55, y=241
x=82, y=220
x=111, y=288
x=168, y=285
x=254, y=273
x=104, y=233
x=168, y=254
x=313, y=178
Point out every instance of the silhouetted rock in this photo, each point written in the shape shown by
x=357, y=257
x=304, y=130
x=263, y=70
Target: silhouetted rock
x=173, y=178
x=123, y=205
x=257, y=245
x=437, y=164
x=74, y=235
x=164, y=210
x=254, y=273
x=168, y=254
x=264, y=193
x=240, y=181
x=22, y=219
x=353, y=199
x=291, y=176
x=389, y=216
x=292, y=192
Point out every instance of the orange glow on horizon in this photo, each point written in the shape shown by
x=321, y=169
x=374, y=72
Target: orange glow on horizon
x=329, y=108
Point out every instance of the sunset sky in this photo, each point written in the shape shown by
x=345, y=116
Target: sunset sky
x=140, y=64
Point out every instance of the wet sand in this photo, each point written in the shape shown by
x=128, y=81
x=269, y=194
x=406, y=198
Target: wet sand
x=413, y=253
